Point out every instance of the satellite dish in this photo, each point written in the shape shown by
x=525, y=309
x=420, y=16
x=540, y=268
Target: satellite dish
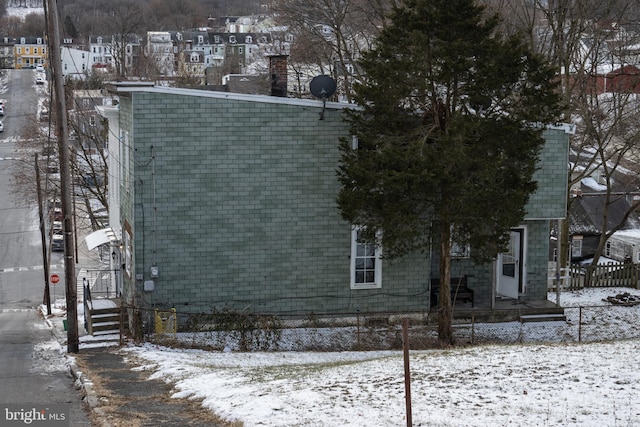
x=322, y=87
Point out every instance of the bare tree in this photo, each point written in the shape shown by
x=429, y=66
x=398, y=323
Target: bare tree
x=12, y=25
x=88, y=163
x=589, y=43
x=336, y=32
x=34, y=24
x=127, y=17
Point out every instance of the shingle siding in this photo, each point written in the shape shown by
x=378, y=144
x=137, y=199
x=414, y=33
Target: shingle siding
x=549, y=200
x=234, y=199
x=235, y=203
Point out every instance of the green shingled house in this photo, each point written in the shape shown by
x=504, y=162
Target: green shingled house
x=227, y=201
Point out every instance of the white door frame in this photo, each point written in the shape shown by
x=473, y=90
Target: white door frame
x=511, y=268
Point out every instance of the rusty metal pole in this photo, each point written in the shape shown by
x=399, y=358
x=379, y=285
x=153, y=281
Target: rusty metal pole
x=407, y=370
x=580, y=324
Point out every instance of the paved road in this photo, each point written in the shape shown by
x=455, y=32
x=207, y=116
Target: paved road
x=34, y=371
x=32, y=364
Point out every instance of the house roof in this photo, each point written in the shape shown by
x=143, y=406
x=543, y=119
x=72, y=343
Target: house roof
x=585, y=215
x=137, y=86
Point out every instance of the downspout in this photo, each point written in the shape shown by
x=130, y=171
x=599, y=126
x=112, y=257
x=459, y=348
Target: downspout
x=155, y=207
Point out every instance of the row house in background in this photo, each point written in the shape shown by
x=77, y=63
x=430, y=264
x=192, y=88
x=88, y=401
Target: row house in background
x=75, y=59
x=211, y=55
x=159, y=50
x=29, y=52
x=205, y=56
x=192, y=52
x=116, y=54
x=102, y=53
x=7, y=60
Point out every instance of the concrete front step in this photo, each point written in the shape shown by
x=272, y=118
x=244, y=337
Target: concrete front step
x=543, y=318
x=100, y=340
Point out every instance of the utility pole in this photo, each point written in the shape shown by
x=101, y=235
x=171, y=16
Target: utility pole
x=55, y=62
x=45, y=261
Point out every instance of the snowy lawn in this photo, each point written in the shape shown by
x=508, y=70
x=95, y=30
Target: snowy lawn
x=594, y=384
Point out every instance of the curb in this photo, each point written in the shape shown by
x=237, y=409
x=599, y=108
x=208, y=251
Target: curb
x=81, y=381
x=90, y=397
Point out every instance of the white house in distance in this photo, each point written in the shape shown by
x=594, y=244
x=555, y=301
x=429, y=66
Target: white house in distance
x=624, y=245
x=159, y=47
x=75, y=60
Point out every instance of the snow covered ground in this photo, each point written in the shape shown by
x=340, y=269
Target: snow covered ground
x=541, y=384
x=33, y=6
x=514, y=385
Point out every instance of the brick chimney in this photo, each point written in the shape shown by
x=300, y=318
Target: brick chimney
x=278, y=71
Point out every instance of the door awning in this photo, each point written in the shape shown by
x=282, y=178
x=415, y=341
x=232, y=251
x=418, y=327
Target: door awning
x=100, y=237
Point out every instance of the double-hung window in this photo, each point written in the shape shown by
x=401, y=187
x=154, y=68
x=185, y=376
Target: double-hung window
x=366, y=266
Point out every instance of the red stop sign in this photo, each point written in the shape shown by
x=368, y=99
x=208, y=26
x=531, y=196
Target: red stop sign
x=55, y=278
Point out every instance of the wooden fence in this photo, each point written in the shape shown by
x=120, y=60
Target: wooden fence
x=615, y=274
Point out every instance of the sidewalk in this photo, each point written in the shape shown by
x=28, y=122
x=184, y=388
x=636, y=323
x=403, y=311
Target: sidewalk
x=116, y=390
x=120, y=395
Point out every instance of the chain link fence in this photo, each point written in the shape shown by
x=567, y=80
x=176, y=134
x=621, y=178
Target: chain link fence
x=233, y=331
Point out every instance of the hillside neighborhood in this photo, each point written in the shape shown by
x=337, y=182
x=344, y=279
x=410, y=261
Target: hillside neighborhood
x=249, y=198
x=273, y=211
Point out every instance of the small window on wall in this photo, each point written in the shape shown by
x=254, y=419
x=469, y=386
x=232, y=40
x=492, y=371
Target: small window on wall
x=459, y=250
x=576, y=247
x=366, y=266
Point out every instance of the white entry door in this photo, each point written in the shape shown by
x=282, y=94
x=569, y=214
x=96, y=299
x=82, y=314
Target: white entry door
x=510, y=266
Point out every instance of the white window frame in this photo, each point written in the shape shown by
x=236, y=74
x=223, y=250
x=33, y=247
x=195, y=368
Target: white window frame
x=362, y=252
x=127, y=240
x=459, y=251
x=576, y=246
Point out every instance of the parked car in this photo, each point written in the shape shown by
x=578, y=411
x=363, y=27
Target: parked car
x=57, y=243
x=1, y=110
x=1, y=127
x=40, y=68
x=39, y=80
x=55, y=210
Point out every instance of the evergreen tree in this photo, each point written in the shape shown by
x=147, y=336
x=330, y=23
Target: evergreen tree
x=448, y=135
x=69, y=27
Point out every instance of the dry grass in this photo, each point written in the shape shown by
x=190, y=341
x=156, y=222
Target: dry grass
x=111, y=410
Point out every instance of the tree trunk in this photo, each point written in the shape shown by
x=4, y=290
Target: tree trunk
x=445, y=312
